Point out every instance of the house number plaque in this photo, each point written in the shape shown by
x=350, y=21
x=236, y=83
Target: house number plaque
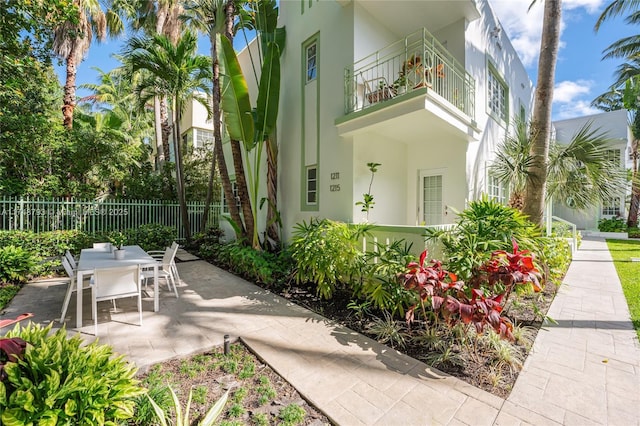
x=335, y=175
x=336, y=187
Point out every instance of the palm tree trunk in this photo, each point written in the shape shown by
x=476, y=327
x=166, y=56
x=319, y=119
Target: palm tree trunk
x=180, y=182
x=243, y=192
x=272, y=191
x=634, y=206
x=69, y=101
x=218, y=152
x=157, y=121
x=534, y=197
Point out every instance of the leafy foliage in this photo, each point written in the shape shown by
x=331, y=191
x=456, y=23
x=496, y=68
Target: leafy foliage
x=479, y=303
x=15, y=264
x=482, y=228
x=326, y=253
x=614, y=224
x=62, y=381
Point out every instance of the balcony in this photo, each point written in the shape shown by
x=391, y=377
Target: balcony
x=416, y=63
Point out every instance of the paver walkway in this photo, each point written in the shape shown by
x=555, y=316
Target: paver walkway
x=356, y=381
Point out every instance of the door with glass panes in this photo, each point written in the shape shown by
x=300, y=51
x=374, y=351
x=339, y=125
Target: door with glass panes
x=430, y=203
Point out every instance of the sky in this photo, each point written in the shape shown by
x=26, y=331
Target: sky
x=581, y=75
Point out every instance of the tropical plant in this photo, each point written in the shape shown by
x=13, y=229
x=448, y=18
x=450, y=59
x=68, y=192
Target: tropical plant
x=625, y=94
x=175, y=72
x=540, y=131
x=62, y=380
x=614, y=224
x=15, y=264
x=182, y=418
x=482, y=228
x=367, y=203
x=72, y=40
x=481, y=301
x=326, y=253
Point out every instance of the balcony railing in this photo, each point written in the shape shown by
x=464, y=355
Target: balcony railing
x=418, y=61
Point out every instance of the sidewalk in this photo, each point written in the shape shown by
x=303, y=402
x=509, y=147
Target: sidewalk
x=356, y=381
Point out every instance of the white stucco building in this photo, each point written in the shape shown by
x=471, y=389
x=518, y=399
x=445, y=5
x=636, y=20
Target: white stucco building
x=614, y=124
x=425, y=88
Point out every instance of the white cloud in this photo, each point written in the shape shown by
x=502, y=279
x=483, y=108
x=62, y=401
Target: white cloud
x=524, y=26
x=579, y=108
x=567, y=91
x=569, y=102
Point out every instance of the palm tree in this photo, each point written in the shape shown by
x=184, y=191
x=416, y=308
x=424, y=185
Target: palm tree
x=208, y=16
x=176, y=73
x=627, y=96
x=540, y=130
x=579, y=173
x=628, y=46
x=72, y=39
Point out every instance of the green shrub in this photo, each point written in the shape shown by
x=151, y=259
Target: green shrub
x=16, y=264
x=62, y=381
x=553, y=254
x=633, y=232
x=255, y=265
x=615, y=224
x=327, y=253
x=482, y=228
x=151, y=236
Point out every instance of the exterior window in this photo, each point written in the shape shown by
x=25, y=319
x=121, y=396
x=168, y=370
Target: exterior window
x=225, y=205
x=311, y=62
x=312, y=185
x=497, y=95
x=203, y=138
x=613, y=155
x=611, y=207
x=496, y=190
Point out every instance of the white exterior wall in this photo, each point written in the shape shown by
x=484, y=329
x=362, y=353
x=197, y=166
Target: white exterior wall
x=482, y=47
x=614, y=125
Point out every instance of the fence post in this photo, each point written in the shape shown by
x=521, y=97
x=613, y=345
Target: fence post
x=21, y=214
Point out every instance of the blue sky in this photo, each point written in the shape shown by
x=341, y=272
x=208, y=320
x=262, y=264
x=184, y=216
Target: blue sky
x=580, y=73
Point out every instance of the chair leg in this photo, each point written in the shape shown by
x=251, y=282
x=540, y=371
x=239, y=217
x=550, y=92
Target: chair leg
x=140, y=307
x=94, y=311
x=173, y=283
x=174, y=270
x=67, y=298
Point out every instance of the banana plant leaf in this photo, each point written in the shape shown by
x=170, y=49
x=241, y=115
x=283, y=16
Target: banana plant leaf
x=268, y=94
x=235, y=104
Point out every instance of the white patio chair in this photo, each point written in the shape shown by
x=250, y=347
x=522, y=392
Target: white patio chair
x=71, y=259
x=166, y=267
x=103, y=246
x=115, y=283
x=73, y=286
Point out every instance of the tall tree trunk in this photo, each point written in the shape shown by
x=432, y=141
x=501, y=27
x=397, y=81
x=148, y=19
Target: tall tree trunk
x=534, y=197
x=69, y=101
x=236, y=151
x=218, y=152
x=273, y=223
x=177, y=146
x=243, y=193
x=157, y=121
x=634, y=206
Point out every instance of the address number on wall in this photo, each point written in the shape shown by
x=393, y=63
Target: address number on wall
x=334, y=188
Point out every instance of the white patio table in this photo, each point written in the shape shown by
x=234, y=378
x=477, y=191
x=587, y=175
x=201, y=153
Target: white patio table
x=91, y=259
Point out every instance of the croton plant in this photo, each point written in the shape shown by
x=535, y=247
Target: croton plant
x=480, y=303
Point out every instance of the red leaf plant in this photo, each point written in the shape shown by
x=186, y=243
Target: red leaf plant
x=11, y=349
x=455, y=301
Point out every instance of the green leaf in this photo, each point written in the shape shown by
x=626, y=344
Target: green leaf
x=235, y=96
x=268, y=94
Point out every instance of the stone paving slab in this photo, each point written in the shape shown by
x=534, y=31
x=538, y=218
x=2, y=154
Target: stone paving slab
x=582, y=371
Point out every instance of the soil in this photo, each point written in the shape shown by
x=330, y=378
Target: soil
x=476, y=366
x=255, y=390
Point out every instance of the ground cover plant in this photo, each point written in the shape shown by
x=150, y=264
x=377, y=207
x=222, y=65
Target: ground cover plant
x=629, y=273
x=256, y=395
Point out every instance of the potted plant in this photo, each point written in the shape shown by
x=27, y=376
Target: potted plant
x=400, y=85
x=118, y=239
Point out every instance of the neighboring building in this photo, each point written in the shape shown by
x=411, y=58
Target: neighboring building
x=426, y=88
x=614, y=124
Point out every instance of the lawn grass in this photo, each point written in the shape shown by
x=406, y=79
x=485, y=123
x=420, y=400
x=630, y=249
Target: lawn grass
x=629, y=273
x=7, y=291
